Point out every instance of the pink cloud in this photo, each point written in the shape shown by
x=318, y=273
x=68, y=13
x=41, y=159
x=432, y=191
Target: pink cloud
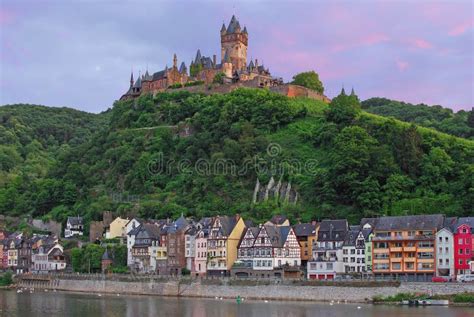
x=6, y=16
x=402, y=65
x=368, y=40
x=422, y=44
x=460, y=28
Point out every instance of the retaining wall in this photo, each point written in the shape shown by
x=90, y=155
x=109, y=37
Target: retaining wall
x=199, y=288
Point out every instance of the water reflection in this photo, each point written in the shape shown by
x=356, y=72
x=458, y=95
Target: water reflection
x=51, y=304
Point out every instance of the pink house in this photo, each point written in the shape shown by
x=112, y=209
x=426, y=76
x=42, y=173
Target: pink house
x=463, y=245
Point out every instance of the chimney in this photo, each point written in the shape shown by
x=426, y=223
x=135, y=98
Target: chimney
x=214, y=59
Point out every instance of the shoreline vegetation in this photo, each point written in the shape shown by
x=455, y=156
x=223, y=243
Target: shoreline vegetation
x=460, y=298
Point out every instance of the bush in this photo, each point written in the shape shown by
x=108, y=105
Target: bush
x=6, y=279
x=175, y=86
x=194, y=83
x=219, y=78
x=185, y=271
x=464, y=298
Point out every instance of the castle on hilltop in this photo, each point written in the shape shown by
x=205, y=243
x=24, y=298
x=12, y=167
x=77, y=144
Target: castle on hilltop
x=233, y=67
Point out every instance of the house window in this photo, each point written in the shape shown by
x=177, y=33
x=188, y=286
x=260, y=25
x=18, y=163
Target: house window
x=262, y=240
x=460, y=262
x=460, y=240
x=460, y=251
x=440, y=239
x=446, y=239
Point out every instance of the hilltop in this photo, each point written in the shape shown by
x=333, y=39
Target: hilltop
x=141, y=157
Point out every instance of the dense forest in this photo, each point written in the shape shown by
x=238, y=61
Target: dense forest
x=146, y=156
x=459, y=123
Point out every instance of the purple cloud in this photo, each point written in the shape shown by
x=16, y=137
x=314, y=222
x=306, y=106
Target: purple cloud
x=80, y=53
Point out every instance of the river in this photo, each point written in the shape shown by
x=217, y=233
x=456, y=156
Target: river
x=50, y=304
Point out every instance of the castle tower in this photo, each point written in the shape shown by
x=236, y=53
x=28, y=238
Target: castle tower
x=234, y=41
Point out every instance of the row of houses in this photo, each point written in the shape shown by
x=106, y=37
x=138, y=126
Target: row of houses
x=407, y=247
x=36, y=254
x=411, y=247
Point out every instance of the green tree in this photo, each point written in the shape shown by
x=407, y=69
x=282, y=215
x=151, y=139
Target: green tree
x=219, y=78
x=309, y=80
x=343, y=109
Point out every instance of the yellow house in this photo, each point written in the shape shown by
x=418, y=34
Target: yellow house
x=306, y=233
x=222, y=244
x=116, y=228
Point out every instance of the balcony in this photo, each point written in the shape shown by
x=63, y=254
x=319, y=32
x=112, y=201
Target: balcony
x=409, y=249
x=381, y=250
x=396, y=259
x=409, y=259
x=395, y=249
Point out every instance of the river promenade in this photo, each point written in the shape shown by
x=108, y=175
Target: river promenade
x=353, y=291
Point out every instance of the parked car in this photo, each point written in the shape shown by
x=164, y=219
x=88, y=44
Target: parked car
x=440, y=279
x=466, y=278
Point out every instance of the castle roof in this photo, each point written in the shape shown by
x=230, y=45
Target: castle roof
x=245, y=30
x=138, y=83
x=182, y=68
x=159, y=75
x=147, y=76
x=223, y=29
x=198, y=56
x=234, y=25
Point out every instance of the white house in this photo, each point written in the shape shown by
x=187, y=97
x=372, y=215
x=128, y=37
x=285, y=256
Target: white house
x=445, y=253
x=74, y=227
x=327, y=259
x=268, y=247
x=353, y=251
x=190, y=247
x=133, y=224
x=48, y=258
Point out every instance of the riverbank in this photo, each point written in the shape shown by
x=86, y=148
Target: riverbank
x=58, y=304
x=209, y=288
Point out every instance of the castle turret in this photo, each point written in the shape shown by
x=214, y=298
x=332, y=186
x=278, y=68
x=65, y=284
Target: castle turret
x=175, y=61
x=227, y=65
x=131, y=79
x=235, y=42
x=223, y=29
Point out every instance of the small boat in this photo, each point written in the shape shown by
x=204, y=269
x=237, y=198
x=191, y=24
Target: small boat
x=426, y=302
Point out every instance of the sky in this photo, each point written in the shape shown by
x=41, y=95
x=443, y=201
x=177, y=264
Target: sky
x=79, y=53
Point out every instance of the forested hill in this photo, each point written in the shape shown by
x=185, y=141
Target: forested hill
x=442, y=119
x=32, y=139
x=200, y=155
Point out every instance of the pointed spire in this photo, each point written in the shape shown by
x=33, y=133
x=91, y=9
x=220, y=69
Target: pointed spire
x=245, y=30
x=198, y=56
x=343, y=92
x=223, y=29
x=131, y=78
x=175, y=61
x=233, y=25
x=352, y=92
x=182, y=68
